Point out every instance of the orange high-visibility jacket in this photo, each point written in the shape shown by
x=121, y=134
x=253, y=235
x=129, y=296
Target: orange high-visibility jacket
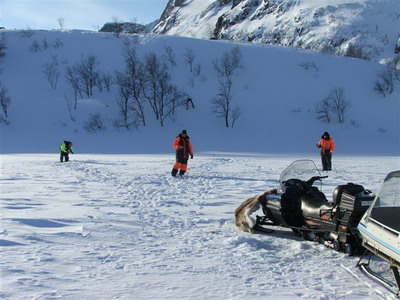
x=326, y=144
x=183, y=146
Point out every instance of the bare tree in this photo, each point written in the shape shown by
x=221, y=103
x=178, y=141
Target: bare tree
x=384, y=84
x=189, y=58
x=27, y=32
x=136, y=79
x=162, y=95
x=222, y=102
x=69, y=103
x=2, y=45
x=354, y=51
x=45, y=44
x=51, y=72
x=394, y=66
x=83, y=76
x=236, y=112
x=76, y=83
x=123, y=102
x=2, y=48
x=323, y=110
x=225, y=67
x=334, y=103
x=117, y=27
x=35, y=47
x=169, y=55
x=107, y=80
x=229, y=63
x=5, y=101
x=61, y=22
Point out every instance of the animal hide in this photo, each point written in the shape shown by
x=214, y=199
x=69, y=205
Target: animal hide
x=243, y=213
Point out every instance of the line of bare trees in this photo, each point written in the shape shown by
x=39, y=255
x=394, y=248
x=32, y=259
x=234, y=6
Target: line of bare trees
x=146, y=82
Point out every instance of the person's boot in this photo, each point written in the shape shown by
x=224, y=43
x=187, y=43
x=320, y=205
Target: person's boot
x=181, y=173
x=173, y=172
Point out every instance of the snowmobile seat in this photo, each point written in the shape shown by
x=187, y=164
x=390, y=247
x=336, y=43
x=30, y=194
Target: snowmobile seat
x=350, y=188
x=312, y=206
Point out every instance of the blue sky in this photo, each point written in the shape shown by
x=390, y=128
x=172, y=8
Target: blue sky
x=77, y=14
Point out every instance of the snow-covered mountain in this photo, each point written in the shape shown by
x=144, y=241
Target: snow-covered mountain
x=360, y=28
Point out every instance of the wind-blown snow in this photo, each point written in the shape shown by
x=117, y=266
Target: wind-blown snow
x=120, y=227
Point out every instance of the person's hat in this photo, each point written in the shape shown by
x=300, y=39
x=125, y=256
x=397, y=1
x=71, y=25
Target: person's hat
x=184, y=131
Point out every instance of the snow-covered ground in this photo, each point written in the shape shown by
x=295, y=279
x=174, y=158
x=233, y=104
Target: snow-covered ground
x=120, y=227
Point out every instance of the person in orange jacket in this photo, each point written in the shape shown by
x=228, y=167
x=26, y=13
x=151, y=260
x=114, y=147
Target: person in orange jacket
x=327, y=146
x=184, y=150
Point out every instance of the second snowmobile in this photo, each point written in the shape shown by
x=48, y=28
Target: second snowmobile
x=380, y=231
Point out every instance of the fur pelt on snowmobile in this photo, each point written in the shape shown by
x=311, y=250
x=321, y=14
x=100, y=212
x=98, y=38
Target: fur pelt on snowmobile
x=243, y=218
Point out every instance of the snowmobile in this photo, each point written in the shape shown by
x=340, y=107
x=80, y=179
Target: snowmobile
x=299, y=205
x=380, y=231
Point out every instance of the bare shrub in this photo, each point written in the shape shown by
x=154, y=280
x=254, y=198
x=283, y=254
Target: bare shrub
x=384, y=84
x=221, y=104
x=169, y=56
x=94, y=124
x=83, y=76
x=51, y=72
x=35, y=47
x=229, y=63
x=27, y=33
x=323, y=111
x=189, y=58
x=334, y=105
x=164, y=97
x=5, y=102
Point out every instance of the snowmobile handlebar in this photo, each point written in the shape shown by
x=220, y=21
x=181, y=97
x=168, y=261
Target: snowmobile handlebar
x=311, y=181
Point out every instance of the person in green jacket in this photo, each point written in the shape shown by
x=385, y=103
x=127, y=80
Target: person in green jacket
x=65, y=149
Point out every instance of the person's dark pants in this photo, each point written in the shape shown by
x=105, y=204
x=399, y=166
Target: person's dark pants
x=64, y=155
x=181, y=163
x=326, y=159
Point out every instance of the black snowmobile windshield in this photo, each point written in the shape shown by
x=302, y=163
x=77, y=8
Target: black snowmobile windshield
x=299, y=169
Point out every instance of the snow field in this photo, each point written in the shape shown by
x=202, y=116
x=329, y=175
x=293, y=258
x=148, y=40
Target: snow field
x=120, y=227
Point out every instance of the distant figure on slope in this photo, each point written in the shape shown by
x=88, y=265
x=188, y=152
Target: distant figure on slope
x=65, y=149
x=327, y=146
x=184, y=149
x=189, y=100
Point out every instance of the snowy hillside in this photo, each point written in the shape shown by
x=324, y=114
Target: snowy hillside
x=328, y=26
x=277, y=91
